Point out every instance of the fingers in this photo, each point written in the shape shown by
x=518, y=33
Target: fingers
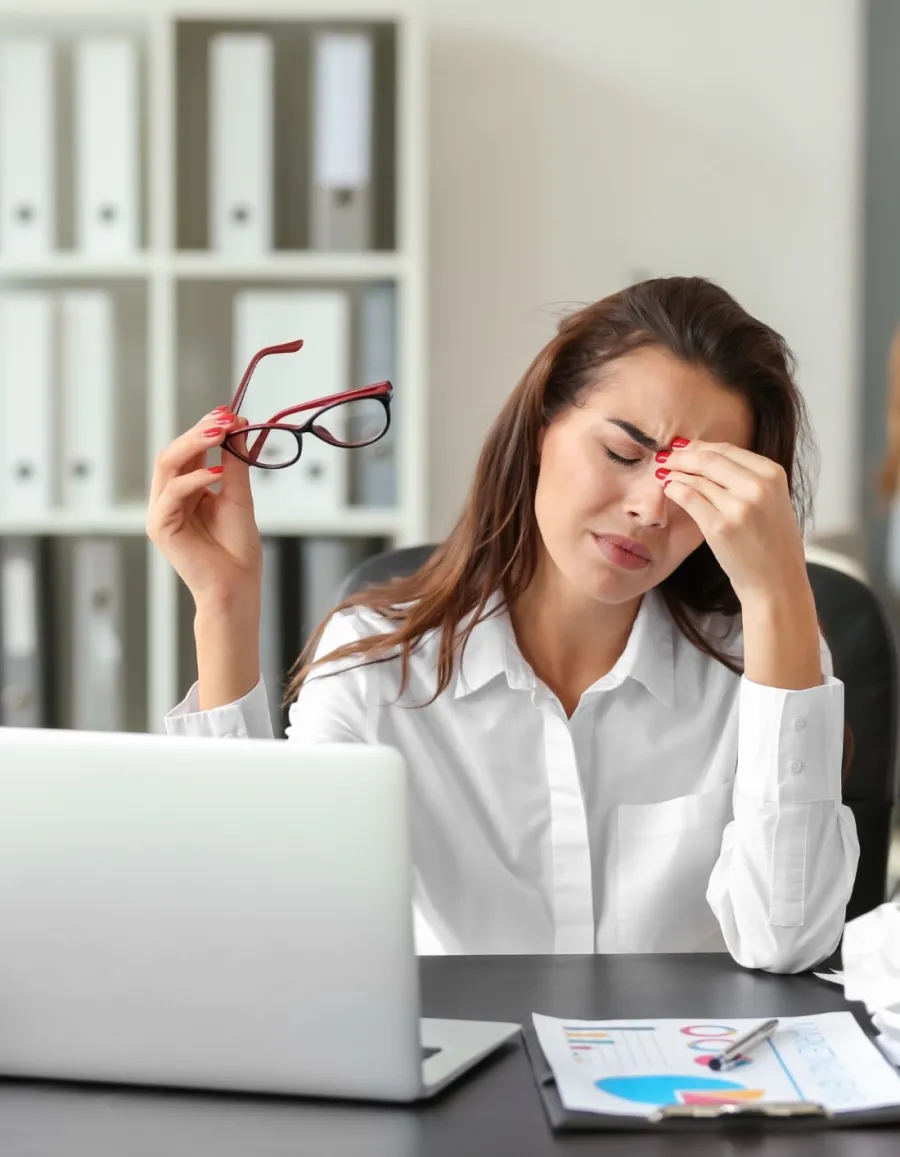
x=235, y=471
x=187, y=452
x=177, y=500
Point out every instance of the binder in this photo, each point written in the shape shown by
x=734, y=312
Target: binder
x=324, y=564
x=793, y=1116
x=341, y=195
x=23, y=691
x=271, y=635
x=26, y=366
x=106, y=106
x=86, y=405
x=318, y=483
x=241, y=164
x=376, y=464
x=27, y=147
x=98, y=668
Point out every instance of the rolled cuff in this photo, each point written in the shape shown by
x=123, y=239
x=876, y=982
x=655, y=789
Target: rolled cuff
x=245, y=718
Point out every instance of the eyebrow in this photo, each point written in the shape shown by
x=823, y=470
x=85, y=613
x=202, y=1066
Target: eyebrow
x=635, y=434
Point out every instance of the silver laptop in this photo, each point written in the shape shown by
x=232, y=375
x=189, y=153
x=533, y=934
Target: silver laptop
x=230, y=914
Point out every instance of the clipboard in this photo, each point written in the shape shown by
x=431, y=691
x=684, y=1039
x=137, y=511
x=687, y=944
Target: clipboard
x=792, y=1115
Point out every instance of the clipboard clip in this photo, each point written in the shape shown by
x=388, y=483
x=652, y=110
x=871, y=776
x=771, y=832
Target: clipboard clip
x=742, y=1110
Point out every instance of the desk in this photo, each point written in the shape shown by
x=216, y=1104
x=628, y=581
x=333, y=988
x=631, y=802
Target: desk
x=493, y=1110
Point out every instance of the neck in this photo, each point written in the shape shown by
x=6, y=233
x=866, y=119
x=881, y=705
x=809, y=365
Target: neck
x=569, y=639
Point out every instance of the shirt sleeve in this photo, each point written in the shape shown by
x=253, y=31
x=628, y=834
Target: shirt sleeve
x=245, y=718
x=788, y=858
x=331, y=706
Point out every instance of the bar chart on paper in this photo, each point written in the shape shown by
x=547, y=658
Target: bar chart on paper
x=636, y=1067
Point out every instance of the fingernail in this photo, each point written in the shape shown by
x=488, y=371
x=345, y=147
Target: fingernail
x=226, y=419
x=680, y=443
x=219, y=410
x=663, y=455
x=212, y=432
x=214, y=469
x=660, y=474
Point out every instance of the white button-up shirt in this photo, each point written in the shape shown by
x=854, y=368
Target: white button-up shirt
x=681, y=808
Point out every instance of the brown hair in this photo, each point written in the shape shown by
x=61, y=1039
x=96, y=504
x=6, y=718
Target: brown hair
x=889, y=474
x=494, y=544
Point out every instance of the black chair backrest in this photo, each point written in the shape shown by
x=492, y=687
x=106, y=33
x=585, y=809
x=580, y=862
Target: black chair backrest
x=862, y=647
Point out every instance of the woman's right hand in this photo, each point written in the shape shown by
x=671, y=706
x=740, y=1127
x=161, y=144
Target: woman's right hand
x=211, y=539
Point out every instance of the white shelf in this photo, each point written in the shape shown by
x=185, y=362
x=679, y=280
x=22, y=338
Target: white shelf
x=178, y=278
x=131, y=520
x=293, y=266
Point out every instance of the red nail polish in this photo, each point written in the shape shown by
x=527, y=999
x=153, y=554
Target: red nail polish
x=214, y=469
x=663, y=455
x=226, y=419
x=680, y=443
x=219, y=410
x=212, y=432
x=662, y=474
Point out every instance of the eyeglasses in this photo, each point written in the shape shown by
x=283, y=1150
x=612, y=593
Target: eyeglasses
x=349, y=420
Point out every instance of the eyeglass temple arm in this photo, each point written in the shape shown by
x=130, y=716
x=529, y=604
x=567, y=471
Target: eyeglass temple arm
x=290, y=347
x=376, y=390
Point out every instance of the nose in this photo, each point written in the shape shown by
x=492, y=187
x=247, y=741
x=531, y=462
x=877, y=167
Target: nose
x=646, y=502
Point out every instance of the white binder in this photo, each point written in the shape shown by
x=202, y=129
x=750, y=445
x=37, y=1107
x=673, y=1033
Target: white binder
x=106, y=100
x=22, y=687
x=324, y=564
x=341, y=196
x=271, y=634
x=98, y=668
x=241, y=161
x=27, y=147
x=26, y=367
x=318, y=483
x=87, y=436
x=377, y=467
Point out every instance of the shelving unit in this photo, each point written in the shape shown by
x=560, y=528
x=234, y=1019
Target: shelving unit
x=168, y=33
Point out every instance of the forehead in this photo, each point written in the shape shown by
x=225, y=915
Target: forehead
x=667, y=398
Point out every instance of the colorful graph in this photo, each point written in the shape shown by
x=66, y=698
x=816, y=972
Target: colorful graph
x=739, y=1061
x=669, y=1089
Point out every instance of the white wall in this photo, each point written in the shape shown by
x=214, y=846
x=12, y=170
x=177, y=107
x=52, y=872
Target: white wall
x=576, y=143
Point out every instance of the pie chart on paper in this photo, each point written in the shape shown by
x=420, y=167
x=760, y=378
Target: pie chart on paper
x=672, y=1089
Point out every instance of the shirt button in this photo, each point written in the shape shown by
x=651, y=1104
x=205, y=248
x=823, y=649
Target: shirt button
x=799, y=724
x=795, y=766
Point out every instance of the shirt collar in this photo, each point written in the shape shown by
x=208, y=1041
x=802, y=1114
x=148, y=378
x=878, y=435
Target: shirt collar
x=649, y=656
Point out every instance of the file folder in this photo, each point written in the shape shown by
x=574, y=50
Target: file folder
x=271, y=635
x=241, y=164
x=86, y=405
x=377, y=466
x=341, y=196
x=27, y=147
x=26, y=367
x=324, y=564
x=23, y=691
x=318, y=483
x=98, y=670
x=106, y=105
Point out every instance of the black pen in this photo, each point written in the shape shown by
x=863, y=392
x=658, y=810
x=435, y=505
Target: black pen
x=734, y=1054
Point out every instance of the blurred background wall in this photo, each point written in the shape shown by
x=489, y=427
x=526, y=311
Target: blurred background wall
x=578, y=145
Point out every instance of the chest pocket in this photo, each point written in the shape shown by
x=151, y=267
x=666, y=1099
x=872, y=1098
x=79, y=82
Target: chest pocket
x=664, y=856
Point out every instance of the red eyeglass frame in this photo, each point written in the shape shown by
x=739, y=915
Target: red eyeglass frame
x=381, y=390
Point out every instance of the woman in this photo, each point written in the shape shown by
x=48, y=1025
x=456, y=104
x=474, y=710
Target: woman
x=589, y=768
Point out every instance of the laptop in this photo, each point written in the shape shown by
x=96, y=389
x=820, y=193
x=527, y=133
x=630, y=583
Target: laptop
x=221, y=914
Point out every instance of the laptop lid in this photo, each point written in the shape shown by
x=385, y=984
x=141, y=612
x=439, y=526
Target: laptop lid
x=214, y=913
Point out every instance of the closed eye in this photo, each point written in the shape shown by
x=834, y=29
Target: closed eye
x=614, y=457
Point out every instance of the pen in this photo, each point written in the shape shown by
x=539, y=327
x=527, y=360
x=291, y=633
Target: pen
x=728, y=1058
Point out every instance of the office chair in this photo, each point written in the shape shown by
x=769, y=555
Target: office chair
x=862, y=647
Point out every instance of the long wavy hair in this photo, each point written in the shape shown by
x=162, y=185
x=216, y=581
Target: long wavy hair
x=494, y=546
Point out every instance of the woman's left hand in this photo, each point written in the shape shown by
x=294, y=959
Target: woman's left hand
x=741, y=503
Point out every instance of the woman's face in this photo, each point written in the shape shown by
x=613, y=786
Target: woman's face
x=597, y=490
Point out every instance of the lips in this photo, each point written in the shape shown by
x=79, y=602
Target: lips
x=627, y=544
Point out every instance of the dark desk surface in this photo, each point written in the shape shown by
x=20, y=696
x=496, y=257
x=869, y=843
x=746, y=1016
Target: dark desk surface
x=493, y=1110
